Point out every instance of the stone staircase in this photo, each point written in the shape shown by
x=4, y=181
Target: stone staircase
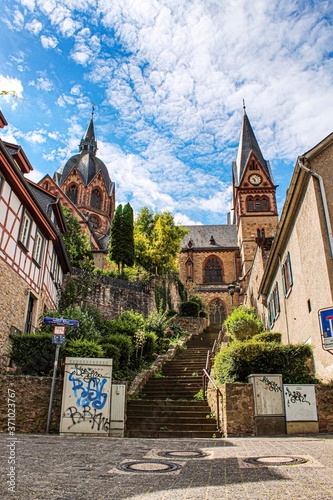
x=167, y=408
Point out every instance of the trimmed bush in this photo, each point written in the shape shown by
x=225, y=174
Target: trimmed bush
x=127, y=324
x=83, y=348
x=268, y=337
x=34, y=353
x=113, y=352
x=125, y=345
x=189, y=309
x=240, y=359
x=243, y=323
x=150, y=345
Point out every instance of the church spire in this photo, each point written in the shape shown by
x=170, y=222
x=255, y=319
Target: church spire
x=248, y=144
x=88, y=142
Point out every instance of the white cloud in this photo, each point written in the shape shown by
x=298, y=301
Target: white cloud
x=44, y=84
x=35, y=175
x=35, y=27
x=49, y=42
x=86, y=48
x=12, y=88
x=183, y=220
x=35, y=136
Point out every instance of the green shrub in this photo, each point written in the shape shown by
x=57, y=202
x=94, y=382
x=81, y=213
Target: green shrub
x=243, y=323
x=158, y=322
x=189, y=309
x=83, y=348
x=241, y=359
x=268, y=337
x=150, y=345
x=125, y=345
x=113, y=352
x=128, y=324
x=34, y=353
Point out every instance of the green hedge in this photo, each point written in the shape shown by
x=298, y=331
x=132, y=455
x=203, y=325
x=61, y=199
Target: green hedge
x=125, y=345
x=268, y=337
x=189, y=309
x=240, y=359
x=150, y=345
x=83, y=348
x=113, y=352
x=243, y=323
x=34, y=353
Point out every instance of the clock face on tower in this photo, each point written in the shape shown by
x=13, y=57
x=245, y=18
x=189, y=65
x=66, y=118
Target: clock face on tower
x=255, y=179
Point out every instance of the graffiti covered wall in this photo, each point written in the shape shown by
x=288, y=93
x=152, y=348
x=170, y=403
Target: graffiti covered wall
x=86, y=401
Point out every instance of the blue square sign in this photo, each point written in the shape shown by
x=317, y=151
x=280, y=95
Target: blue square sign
x=326, y=325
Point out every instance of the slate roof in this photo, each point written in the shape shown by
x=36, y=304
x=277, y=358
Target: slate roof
x=45, y=199
x=248, y=143
x=202, y=237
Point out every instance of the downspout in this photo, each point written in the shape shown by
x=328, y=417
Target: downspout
x=323, y=198
x=285, y=307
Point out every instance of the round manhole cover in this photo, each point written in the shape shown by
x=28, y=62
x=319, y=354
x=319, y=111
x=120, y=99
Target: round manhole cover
x=275, y=460
x=148, y=466
x=182, y=454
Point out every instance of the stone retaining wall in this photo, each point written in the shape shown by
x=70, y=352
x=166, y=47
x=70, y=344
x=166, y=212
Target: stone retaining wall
x=236, y=408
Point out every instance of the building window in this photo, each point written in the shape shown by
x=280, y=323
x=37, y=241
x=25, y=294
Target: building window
x=264, y=204
x=29, y=316
x=189, y=269
x=96, y=199
x=94, y=221
x=25, y=229
x=257, y=205
x=72, y=193
x=216, y=312
x=287, y=277
x=250, y=205
x=38, y=247
x=213, y=270
x=253, y=166
x=273, y=306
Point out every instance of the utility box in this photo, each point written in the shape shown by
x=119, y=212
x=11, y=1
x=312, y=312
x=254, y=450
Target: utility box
x=301, y=408
x=268, y=394
x=118, y=401
x=269, y=409
x=86, y=399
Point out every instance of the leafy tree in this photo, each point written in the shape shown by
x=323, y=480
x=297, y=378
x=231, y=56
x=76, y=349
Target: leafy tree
x=76, y=243
x=243, y=323
x=157, y=241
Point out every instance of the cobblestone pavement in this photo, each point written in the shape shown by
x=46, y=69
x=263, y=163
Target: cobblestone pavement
x=75, y=468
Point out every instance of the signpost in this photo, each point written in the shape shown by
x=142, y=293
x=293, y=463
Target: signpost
x=326, y=325
x=58, y=338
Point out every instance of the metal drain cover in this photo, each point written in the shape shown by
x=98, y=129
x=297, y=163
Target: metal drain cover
x=149, y=467
x=275, y=460
x=182, y=454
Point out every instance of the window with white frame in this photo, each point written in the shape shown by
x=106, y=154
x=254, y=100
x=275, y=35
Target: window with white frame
x=25, y=229
x=287, y=277
x=273, y=306
x=38, y=247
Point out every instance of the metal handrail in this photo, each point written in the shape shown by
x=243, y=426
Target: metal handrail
x=206, y=376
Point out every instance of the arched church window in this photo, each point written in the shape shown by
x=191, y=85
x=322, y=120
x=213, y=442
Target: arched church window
x=213, y=270
x=264, y=204
x=72, y=193
x=216, y=312
x=250, y=205
x=96, y=199
x=94, y=221
x=253, y=166
x=257, y=204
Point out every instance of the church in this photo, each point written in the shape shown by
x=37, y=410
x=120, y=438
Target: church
x=283, y=268
x=216, y=260
x=84, y=186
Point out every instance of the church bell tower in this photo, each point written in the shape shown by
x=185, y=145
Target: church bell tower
x=254, y=201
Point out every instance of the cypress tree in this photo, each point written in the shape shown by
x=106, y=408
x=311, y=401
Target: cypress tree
x=116, y=233
x=128, y=236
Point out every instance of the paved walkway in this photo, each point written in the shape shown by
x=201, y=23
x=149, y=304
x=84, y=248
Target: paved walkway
x=75, y=468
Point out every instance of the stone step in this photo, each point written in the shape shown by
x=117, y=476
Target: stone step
x=168, y=434
x=173, y=426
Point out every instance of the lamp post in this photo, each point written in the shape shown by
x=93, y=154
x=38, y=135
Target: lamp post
x=232, y=288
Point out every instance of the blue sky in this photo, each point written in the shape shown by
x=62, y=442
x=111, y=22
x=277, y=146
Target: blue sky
x=168, y=78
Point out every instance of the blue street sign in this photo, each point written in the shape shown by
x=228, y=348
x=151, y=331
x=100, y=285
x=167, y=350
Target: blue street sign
x=61, y=321
x=58, y=339
x=326, y=325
